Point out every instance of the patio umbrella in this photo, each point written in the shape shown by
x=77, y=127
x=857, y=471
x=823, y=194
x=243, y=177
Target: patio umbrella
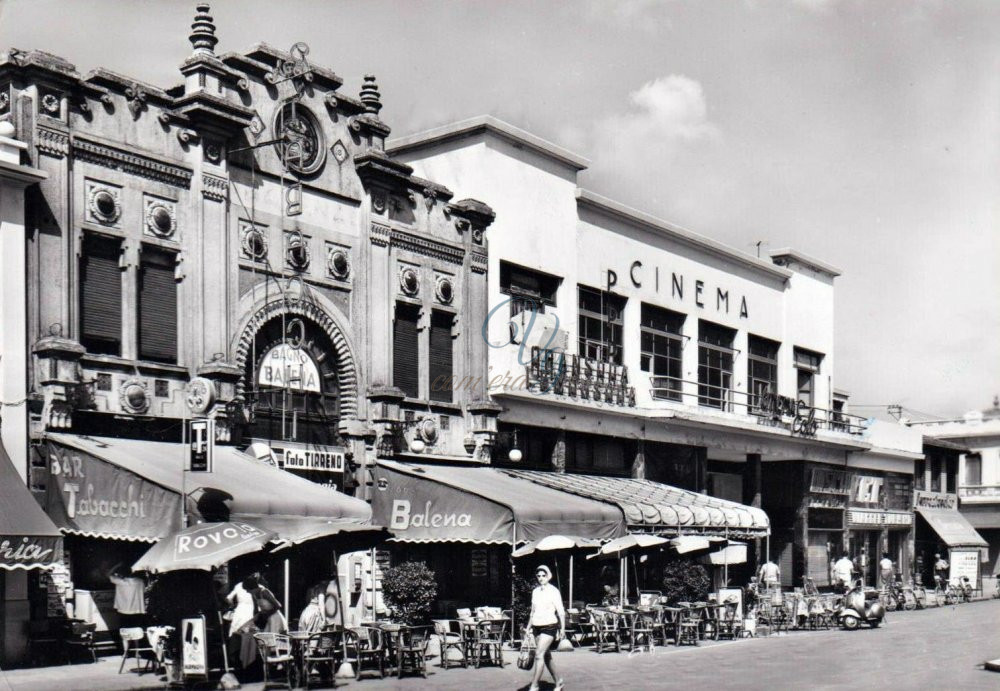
x=621, y=547
x=559, y=543
x=692, y=545
x=203, y=547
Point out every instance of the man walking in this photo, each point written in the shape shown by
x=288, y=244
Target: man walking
x=842, y=572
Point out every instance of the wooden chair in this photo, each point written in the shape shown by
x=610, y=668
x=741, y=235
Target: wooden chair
x=413, y=650
x=688, y=626
x=449, y=632
x=606, y=631
x=730, y=624
x=644, y=626
x=371, y=651
x=666, y=624
x=276, y=654
x=135, y=643
x=487, y=642
x=321, y=652
x=79, y=635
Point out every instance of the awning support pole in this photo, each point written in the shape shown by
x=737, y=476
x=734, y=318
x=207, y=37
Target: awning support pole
x=288, y=571
x=345, y=671
x=570, y=581
x=725, y=566
x=513, y=584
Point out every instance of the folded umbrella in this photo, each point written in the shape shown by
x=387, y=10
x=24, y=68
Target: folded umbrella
x=556, y=543
x=697, y=544
x=203, y=547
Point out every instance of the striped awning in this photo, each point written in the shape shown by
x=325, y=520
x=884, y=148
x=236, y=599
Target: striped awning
x=649, y=505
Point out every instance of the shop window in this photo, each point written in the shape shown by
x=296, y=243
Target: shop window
x=440, y=353
x=973, y=469
x=807, y=367
x=661, y=345
x=918, y=474
x=762, y=368
x=157, y=335
x=101, y=296
x=715, y=365
x=405, y=353
x=600, y=325
x=528, y=289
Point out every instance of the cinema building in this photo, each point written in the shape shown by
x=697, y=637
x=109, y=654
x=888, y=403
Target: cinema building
x=629, y=355
x=235, y=248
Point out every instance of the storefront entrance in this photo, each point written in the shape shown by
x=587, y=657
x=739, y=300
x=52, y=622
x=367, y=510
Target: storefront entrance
x=863, y=549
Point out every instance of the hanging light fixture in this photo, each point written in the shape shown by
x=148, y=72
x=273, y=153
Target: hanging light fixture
x=515, y=454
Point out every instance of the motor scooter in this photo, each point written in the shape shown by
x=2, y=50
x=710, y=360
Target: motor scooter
x=858, y=608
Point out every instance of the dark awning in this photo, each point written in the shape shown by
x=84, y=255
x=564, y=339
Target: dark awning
x=130, y=489
x=654, y=506
x=427, y=503
x=28, y=538
x=952, y=527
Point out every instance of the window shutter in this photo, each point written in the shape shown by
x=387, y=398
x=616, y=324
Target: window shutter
x=440, y=357
x=101, y=296
x=157, y=307
x=405, y=365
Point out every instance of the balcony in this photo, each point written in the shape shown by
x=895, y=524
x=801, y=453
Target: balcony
x=979, y=494
x=579, y=377
x=769, y=409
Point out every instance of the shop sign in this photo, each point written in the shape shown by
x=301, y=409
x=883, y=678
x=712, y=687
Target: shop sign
x=194, y=647
x=286, y=366
x=865, y=518
x=702, y=296
x=827, y=501
x=28, y=550
x=867, y=489
x=898, y=519
x=790, y=413
x=313, y=459
x=828, y=481
x=934, y=500
x=403, y=518
x=964, y=563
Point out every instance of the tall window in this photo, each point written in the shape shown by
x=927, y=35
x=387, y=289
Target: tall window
x=661, y=345
x=440, y=352
x=101, y=296
x=405, y=353
x=528, y=288
x=807, y=367
x=762, y=368
x=600, y=325
x=157, y=306
x=973, y=469
x=715, y=365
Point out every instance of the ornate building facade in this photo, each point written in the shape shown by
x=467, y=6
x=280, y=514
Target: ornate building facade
x=239, y=248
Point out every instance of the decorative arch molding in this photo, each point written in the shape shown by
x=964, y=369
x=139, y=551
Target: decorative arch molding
x=307, y=307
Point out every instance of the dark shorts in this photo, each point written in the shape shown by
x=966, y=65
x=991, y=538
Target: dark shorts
x=548, y=630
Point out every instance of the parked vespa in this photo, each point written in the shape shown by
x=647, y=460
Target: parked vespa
x=857, y=608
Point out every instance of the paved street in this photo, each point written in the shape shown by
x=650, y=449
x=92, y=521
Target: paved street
x=933, y=649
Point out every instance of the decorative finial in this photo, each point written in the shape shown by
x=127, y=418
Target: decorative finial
x=370, y=95
x=203, y=36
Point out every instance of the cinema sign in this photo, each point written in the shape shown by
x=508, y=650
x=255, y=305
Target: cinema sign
x=674, y=283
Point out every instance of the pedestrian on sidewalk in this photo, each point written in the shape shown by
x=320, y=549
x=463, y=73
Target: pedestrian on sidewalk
x=548, y=625
x=130, y=598
x=885, y=567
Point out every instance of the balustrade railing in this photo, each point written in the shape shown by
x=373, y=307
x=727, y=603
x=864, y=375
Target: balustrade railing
x=767, y=408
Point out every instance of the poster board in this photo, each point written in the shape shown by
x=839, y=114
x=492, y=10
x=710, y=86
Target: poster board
x=964, y=562
x=194, y=648
x=736, y=594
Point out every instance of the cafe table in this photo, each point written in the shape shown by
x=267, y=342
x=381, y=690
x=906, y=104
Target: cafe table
x=299, y=640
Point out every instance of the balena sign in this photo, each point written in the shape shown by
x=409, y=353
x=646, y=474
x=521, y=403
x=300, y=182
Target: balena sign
x=404, y=518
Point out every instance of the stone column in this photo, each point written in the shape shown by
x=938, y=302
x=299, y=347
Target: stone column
x=13, y=297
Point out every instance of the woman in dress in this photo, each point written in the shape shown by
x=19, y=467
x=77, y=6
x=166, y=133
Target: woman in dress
x=269, y=618
x=548, y=625
x=241, y=625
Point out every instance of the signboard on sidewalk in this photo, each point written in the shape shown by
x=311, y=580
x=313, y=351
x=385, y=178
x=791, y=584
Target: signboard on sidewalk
x=964, y=563
x=194, y=647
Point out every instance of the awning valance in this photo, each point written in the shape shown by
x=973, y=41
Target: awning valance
x=952, y=527
x=651, y=505
x=28, y=538
x=130, y=489
x=426, y=503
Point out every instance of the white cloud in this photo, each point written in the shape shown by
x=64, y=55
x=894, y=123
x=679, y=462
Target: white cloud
x=670, y=108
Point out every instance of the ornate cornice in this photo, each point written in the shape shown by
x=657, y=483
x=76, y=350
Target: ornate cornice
x=130, y=162
x=52, y=142
x=479, y=263
x=381, y=235
x=426, y=247
x=213, y=187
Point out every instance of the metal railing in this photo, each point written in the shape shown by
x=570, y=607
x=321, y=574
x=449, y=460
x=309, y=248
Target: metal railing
x=579, y=377
x=767, y=408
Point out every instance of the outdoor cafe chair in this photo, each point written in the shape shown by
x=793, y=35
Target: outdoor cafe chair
x=487, y=642
x=371, y=650
x=276, y=653
x=449, y=632
x=688, y=625
x=643, y=630
x=79, y=635
x=413, y=641
x=606, y=631
x=320, y=653
x=730, y=625
x=135, y=643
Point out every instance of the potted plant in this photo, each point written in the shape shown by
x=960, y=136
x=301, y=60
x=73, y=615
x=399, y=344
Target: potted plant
x=409, y=590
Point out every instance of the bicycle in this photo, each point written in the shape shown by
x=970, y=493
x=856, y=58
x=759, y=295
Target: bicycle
x=944, y=594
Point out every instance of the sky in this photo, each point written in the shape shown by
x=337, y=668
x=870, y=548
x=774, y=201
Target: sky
x=865, y=134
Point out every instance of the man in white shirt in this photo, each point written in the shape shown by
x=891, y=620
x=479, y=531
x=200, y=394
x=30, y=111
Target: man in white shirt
x=885, y=569
x=770, y=575
x=842, y=572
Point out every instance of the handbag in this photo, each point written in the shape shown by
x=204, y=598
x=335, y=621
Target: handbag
x=526, y=657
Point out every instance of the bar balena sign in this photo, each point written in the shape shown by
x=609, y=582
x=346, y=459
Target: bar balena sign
x=403, y=518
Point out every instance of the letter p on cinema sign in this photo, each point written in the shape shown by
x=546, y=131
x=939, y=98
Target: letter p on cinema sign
x=201, y=445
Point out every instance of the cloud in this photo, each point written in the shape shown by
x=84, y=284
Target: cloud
x=670, y=108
